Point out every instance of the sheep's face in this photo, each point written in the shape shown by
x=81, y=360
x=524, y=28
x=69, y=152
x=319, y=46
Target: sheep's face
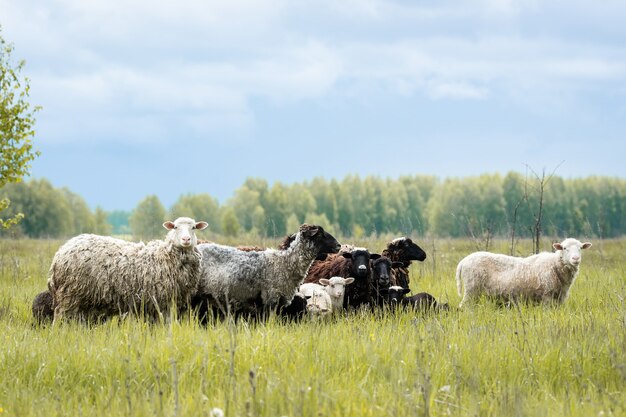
x=571, y=251
x=323, y=241
x=381, y=271
x=318, y=304
x=395, y=294
x=182, y=231
x=360, y=261
x=336, y=286
x=404, y=249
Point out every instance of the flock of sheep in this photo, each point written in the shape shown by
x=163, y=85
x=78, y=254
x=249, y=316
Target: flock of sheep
x=95, y=277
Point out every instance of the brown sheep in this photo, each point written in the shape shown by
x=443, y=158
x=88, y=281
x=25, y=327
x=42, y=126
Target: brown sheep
x=404, y=250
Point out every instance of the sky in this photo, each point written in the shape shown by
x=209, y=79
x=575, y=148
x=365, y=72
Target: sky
x=144, y=97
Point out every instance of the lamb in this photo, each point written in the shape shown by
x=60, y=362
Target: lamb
x=335, y=287
x=404, y=250
x=545, y=277
x=319, y=302
x=99, y=276
x=42, y=307
x=396, y=296
x=236, y=281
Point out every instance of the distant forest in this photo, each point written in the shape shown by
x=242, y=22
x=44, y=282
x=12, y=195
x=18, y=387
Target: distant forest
x=491, y=204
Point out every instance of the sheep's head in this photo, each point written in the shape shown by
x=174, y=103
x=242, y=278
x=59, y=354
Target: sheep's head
x=396, y=293
x=182, y=231
x=336, y=286
x=318, y=303
x=360, y=261
x=323, y=241
x=571, y=251
x=403, y=249
x=381, y=270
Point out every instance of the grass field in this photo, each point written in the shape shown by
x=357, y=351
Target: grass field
x=483, y=361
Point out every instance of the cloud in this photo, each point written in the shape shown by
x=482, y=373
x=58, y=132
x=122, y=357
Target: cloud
x=127, y=68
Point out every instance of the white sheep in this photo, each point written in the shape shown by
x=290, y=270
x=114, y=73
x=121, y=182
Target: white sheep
x=98, y=276
x=543, y=277
x=334, y=286
x=238, y=281
x=318, y=301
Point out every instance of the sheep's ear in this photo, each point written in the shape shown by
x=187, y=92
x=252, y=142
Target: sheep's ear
x=374, y=255
x=169, y=225
x=405, y=290
x=310, y=230
x=347, y=281
x=557, y=246
x=324, y=281
x=397, y=264
x=201, y=225
x=586, y=245
x=347, y=255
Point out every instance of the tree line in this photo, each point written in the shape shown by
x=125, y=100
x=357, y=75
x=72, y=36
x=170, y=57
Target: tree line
x=484, y=206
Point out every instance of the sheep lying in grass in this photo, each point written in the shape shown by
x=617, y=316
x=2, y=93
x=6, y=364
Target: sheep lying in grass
x=396, y=296
x=334, y=286
x=319, y=302
x=541, y=278
x=95, y=277
x=238, y=281
x=404, y=250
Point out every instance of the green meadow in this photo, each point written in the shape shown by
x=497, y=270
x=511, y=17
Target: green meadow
x=485, y=360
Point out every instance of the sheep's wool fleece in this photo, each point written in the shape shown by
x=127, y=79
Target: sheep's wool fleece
x=100, y=275
x=239, y=280
x=538, y=277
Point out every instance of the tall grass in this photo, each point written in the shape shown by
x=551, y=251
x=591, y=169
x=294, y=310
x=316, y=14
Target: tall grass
x=483, y=361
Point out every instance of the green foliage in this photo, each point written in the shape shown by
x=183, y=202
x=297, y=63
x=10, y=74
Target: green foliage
x=486, y=360
x=119, y=221
x=230, y=225
x=17, y=121
x=47, y=212
x=101, y=225
x=480, y=207
x=146, y=221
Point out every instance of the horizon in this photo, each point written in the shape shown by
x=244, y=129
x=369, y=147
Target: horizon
x=156, y=98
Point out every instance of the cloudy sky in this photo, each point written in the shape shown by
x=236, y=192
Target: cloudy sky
x=159, y=97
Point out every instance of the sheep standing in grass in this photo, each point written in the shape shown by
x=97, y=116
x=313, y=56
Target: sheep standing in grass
x=95, y=277
x=543, y=277
x=380, y=279
x=404, y=250
x=238, y=281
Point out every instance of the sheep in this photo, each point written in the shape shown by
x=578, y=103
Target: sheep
x=404, y=250
x=396, y=296
x=319, y=302
x=380, y=278
x=544, y=277
x=95, y=276
x=346, y=264
x=42, y=307
x=296, y=308
x=335, y=287
x=235, y=281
